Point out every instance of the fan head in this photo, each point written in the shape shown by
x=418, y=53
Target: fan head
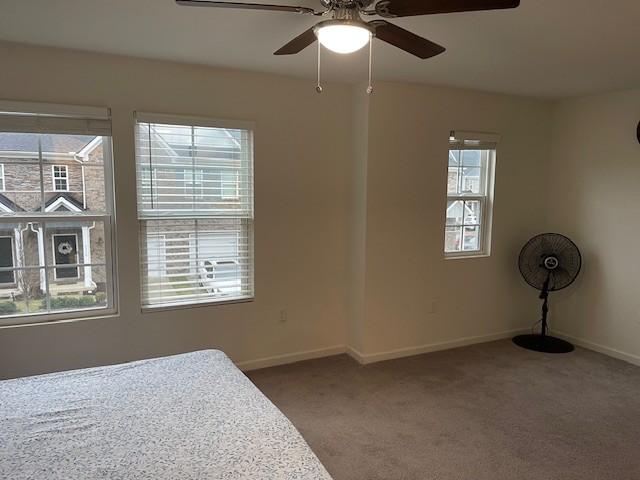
x=552, y=257
x=346, y=32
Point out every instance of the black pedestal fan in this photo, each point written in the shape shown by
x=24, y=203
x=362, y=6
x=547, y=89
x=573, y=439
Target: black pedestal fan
x=548, y=262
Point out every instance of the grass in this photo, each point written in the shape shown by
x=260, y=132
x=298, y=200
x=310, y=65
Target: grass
x=37, y=305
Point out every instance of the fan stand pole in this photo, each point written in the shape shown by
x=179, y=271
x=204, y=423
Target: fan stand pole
x=543, y=342
x=544, y=295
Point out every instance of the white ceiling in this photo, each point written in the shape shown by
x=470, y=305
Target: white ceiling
x=545, y=48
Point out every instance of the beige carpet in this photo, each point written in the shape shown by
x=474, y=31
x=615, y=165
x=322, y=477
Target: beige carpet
x=490, y=411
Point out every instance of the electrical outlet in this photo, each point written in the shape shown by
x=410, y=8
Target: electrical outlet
x=283, y=316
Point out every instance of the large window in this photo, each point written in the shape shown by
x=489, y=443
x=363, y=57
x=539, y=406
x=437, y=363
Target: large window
x=56, y=242
x=195, y=208
x=469, y=194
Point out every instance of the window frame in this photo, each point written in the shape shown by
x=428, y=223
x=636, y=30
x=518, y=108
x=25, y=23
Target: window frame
x=3, y=183
x=485, y=197
x=203, y=122
x=65, y=178
x=45, y=118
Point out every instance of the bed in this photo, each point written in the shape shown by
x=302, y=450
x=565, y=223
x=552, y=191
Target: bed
x=190, y=416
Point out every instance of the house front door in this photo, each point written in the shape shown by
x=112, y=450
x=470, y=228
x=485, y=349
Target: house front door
x=65, y=249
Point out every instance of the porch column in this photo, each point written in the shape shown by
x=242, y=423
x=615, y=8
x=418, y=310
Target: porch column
x=43, y=273
x=19, y=255
x=86, y=256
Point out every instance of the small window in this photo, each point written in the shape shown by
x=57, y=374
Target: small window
x=194, y=183
x=60, y=178
x=2, y=184
x=229, y=185
x=470, y=175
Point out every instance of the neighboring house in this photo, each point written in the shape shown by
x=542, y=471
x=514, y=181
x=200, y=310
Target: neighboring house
x=72, y=181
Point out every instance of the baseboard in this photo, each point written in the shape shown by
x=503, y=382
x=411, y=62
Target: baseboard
x=432, y=347
x=612, y=352
x=365, y=359
x=291, y=358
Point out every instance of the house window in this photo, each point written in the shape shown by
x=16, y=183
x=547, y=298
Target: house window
x=193, y=183
x=195, y=245
x=230, y=185
x=469, y=194
x=2, y=183
x=7, y=274
x=56, y=246
x=60, y=175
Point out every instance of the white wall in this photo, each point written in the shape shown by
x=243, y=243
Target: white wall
x=595, y=199
x=475, y=299
x=302, y=155
x=350, y=203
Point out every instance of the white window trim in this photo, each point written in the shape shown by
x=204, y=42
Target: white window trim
x=65, y=177
x=486, y=201
x=3, y=185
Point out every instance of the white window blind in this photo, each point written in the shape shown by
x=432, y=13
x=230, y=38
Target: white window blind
x=46, y=118
x=469, y=193
x=195, y=208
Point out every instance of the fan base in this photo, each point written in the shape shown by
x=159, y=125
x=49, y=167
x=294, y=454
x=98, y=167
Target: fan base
x=545, y=344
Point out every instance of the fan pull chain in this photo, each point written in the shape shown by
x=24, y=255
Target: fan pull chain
x=370, y=87
x=318, y=86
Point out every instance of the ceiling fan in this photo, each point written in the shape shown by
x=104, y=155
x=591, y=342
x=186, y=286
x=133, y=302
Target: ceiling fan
x=347, y=32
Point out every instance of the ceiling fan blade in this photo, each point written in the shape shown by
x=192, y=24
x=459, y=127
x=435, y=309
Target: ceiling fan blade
x=408, y=8
x=298, y=44
x=405, y=40
x=246, y=6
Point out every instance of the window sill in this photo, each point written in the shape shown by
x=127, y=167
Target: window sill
x=56, y=318
x=467, y=256
x=208, y=303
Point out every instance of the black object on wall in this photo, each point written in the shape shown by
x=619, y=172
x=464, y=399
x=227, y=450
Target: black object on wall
x=548, y=262
x=638, y=132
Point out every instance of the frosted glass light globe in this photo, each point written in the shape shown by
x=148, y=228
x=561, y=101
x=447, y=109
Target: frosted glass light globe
x=343, y=38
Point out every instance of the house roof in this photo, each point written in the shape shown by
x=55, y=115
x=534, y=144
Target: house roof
x=14, y=207
x=28, y=142
x=64, y=198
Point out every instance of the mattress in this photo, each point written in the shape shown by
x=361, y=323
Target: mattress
x=191, y=416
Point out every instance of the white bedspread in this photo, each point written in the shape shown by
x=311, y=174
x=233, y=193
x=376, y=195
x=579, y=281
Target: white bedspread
x=191, y=416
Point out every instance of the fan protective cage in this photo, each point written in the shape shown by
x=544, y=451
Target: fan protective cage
x=553, y=250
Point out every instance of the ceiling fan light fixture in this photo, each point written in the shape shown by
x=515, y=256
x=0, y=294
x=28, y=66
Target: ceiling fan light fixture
x=343, y=37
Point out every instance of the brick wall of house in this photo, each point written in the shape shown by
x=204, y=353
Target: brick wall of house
x=94, y=180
